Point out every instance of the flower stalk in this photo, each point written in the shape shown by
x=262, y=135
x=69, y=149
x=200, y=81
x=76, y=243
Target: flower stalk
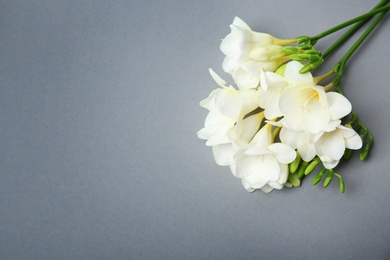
x=350, y=22
x=350, y=32
x=339, y=68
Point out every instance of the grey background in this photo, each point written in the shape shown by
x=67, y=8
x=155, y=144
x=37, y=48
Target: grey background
x=99, y=157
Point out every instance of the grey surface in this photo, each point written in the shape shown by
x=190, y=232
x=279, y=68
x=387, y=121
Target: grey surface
x=99, y=157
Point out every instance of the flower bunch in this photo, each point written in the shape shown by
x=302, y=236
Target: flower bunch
x=280, y=123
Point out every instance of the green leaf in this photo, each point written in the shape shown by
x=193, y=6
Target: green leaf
x=328, y=178
x=318, y=177
x=294, y=165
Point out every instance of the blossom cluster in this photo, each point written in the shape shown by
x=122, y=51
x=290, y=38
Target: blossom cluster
x=276, y=114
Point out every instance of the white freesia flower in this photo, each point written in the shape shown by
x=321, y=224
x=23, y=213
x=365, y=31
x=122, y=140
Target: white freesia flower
x=331, y=145
x=309, y=108
x=304, y=143
x=248, y=52
x=225, y=122
x=239, y=136
x=328, y=146
x=263, y=165
x=272, y=85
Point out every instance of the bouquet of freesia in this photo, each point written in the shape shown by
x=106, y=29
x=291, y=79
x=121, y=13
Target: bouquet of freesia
x=281, y=123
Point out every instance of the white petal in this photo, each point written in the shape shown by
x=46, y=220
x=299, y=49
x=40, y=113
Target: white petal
x=298, y=140
x=247, y=186
x=275, y=81
x=247, y=165
x=332, y=125
x=214, y=118
x=307, y=152
x=233, y=45
x=257, y=170
x=283, y=175
x=329, y=163
x=218, y=139
x=245, y=129
x=267, y=189
x=352, y=139
x=256, y=180
x=305, y=108
x=205, y=133
x=283, y=153
x=229, y=64
x=291, y=105
x=217, y=78
x=262, y=97
x=272, y=110
x=290, y=137
x=272, y=86
x=208, y=102
x=271, y=167
x=246, y=77
x=262, y=39
x=240, y=23
x=228, y=102
x=339, y=105
x=331, y=145
x=223, y=154
x=292, y=74
x=266, y=53
x=316, y=117
x=264, y=136
x=354, y=143
x=275, y=185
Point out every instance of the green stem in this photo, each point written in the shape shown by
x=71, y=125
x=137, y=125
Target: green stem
x=350, y=22
x=339, y=67
x=350, y=32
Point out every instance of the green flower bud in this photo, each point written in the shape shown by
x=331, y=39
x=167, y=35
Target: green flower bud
x=293, y=179
x=302, y=169
x=328, y=178
x=318, y=177
x=294, y=165
x=312, y=166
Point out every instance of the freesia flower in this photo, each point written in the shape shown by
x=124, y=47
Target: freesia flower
x=272, y=85
x=328, y=146
x=264, y=164
x=248, y=52
x=311, y=109
x=227, y=109
x=299, y=140
x=239, y=135
x=304, y=105
x=331, y=145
